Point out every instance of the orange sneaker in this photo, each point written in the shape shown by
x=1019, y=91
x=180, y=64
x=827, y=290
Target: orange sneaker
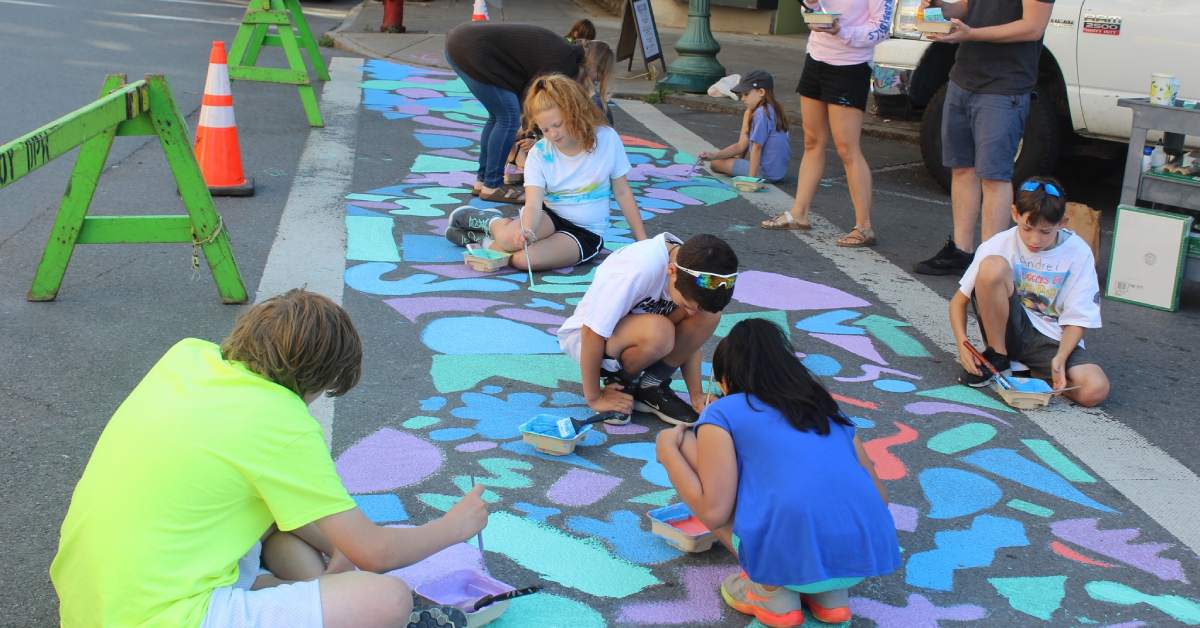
x=836, y=612
x=778, y=608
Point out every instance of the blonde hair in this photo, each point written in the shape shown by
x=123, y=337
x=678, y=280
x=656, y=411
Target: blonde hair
x=598, y=62
x=580, y=116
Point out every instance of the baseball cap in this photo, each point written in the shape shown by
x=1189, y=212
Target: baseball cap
x=754, y=79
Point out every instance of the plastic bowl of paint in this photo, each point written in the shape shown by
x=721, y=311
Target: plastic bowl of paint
x=461, y=589
x=1028, y=393
x=678, y=526
x=747, y=184
x=542, y=432
x=820, y=18
x=486, y=260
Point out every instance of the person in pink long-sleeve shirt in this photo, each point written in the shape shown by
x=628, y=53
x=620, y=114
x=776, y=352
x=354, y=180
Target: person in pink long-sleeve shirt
x=833, y=92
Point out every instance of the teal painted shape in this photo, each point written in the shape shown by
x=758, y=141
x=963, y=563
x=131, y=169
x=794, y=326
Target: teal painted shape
x=830, y=323
x=1058, y=461
x=778, y=317
x=374, y=198
x=420, y=422
x=467, y=119
x=657, y=498
x=567, y=279
x=684, y=158
x=427, y=202
x=657, y=153
x=1010, y=465
x=456, y=373
x=707, y=194
x=437, y=163
x=1035, y=596
x=483, y=335
x=961, y=438
x=1033, y=509
x=546, y=609
x=370, y=239
x=886, y=330
x=437, y=141
x=368, y=278
x=1182, y=609
x=967, y=395
x=557, y=288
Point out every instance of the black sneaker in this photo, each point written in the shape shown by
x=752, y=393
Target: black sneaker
x=470, y=218
x=948, y=261
x=463, y=237
x=628, y=385
x=999, y=362
x=664, y=403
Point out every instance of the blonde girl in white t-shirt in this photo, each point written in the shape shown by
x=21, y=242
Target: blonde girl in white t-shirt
x=571, y=175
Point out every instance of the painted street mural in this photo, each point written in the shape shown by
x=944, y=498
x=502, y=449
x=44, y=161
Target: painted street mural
x=998, y=525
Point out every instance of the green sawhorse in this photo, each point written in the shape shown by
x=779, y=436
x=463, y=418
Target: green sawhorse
x=141, y=108
x=291, y=33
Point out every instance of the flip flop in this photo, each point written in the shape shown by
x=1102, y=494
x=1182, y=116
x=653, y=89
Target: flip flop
x=857, y=238
x=505, y=194
x=785, y=221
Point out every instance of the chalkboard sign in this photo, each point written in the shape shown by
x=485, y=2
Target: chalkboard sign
x=637, y=26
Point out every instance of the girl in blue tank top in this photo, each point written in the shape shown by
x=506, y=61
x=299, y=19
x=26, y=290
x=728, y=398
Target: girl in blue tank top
x=776, y=471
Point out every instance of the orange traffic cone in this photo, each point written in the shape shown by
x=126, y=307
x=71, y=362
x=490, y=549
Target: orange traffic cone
x=216, y=136
x=479, y=13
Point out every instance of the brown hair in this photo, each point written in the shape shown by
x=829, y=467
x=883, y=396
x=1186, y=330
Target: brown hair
x=583, y=29
x=1040, y=205
x=300, y=340
x=781, y=121
x=598, y=62
x=710, y=254
x=580, y=116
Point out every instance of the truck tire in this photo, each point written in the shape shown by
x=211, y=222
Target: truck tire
x=1036, y=155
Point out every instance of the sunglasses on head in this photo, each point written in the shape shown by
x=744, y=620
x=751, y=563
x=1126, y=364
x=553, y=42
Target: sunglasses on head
x=710, y=281
x=1033, y=186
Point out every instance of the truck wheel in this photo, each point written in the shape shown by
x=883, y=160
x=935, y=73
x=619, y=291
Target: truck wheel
x=1036, y=155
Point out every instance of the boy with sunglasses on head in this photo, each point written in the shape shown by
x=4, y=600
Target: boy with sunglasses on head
x=1035, y=291
x=651, y=307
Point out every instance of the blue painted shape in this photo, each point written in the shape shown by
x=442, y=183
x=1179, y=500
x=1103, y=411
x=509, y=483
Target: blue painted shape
x=963, y=549
x=956, y=493
x=451, y=433
x=491, y=390
x=635, y=159
x=623, y=531
x=821, y=365
x=540, y=302
x=1010, y=465
x=862, y=422
x=369, y=238
x=432, y=404
x=525, y=449
x=562, y=398
x=368, y=278
x=499, y=418
x=830, y=323
x=429, y=248
x=355, y=210
x=384, y=508
x=430, y=140
x=472, y=335
x=894, y=385
x=535, y=512
x=657, y=203
x=652, y=471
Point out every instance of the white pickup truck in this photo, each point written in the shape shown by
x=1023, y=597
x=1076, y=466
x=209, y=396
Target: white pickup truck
x=1095, y=52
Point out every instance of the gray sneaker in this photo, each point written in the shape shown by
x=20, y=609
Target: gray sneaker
x=470, y=218
x=463, y=237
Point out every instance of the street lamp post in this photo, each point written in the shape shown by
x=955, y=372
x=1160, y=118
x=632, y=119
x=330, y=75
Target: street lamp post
x=697, y=66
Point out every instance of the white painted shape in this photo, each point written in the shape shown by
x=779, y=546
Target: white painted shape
x=1155, y=482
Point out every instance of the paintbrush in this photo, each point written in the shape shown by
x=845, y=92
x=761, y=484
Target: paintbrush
x=492, y=599
x=478, y=537
x=1004, y=383
x=692, y=171
x=528, y=260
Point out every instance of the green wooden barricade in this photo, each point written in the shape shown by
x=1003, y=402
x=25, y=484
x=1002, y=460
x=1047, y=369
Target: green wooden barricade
x=291, y=33
x=141, y=108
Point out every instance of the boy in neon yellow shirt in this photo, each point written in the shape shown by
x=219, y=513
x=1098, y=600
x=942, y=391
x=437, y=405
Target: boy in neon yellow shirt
x=213, y=458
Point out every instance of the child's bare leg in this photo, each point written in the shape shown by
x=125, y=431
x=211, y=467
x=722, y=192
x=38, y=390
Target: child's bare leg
x=289, y=557
x=504, y=233
x=723, y=166
x=692, y=457
x=993, y=289
x=691, y=332
x=640, y=340
x=1093, y=385
x=362, y=599
x=555, y=251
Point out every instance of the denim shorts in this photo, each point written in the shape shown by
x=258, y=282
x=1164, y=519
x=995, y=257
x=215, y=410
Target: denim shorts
x=983, y=131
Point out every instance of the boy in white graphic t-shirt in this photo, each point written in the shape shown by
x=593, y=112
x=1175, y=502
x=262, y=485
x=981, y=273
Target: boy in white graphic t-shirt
x=1035, y=291
x=650, y=309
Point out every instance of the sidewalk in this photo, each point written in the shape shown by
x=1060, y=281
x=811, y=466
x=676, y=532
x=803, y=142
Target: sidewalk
x=427, y=23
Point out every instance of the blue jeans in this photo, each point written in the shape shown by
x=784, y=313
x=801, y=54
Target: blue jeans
x=500, y=131
x=983, y=131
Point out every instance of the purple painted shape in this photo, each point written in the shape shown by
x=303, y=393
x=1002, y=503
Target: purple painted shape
x=471, y=135
x=456, y=153
x=671, y=195
x=858, y=345
x=457, y=271
x=905, y=517
x=417, y=92
x=1118, y=545
x=387, y=460
x=376, y=204
x=780, y=292
x=475, y=446
x=453, y=558
x=625, y=430
x=531, y=316
x=413, y=307
x=580, y=487
x=437, y=226
x=919, y=613
x=444, y=123
x=701, y=602
x=674, y=172
x=926, y=408
x=413, y=109
x=454, y=179
x=1137, y=623
x=871, y=372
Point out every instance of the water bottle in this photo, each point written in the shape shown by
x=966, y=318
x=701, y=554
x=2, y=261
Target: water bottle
x=1158, y=158
x=1147, y=152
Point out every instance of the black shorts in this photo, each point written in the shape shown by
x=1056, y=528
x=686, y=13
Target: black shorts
x=589, y=243
x=1029, y=346
x=846, y=85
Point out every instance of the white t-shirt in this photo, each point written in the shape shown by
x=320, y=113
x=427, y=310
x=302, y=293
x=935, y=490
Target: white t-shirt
x=579, y=187
x=1056, y=287
x=632, y=280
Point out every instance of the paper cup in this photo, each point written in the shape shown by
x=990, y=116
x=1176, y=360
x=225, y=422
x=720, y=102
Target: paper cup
x=1164, y=88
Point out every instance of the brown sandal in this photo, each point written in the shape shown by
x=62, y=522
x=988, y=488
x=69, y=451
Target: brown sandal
x=785, y=221
x=505, y=194
x=857, y=238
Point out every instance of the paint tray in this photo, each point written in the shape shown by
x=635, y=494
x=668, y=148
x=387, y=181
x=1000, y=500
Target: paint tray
x=1028, y=393
x=542, y=432
x=932, y=21
x=678, y=526
x=748, y=184
x=820, y=18
x=462, y=589
x=485, y=260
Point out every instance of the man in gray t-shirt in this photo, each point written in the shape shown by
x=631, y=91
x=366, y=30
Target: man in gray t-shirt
x=987, y=103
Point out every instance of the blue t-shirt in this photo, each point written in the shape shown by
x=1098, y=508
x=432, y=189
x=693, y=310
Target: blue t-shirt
x=776, y=151
x=806, y=510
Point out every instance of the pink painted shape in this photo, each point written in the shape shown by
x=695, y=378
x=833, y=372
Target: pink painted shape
x=781, y=292
x=376, y=204
x=690, y=526
x=580, y=487
x=444, y=123
x=919, y=613
x=926, y=408
x=457, y=271
x=887, y=465
x=905, y=517
x=531, y=316
x=671, y=195
x=454, y=558
x=674, y=172
x=413, y=308
x=1060, y=548
x=387, y=460
x=417, y=92
x=862, y=346
x=872, y=373
x=475, y=446
x=625, y=430
x=701, y=602
x=1118, y=544
x=474, y=135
